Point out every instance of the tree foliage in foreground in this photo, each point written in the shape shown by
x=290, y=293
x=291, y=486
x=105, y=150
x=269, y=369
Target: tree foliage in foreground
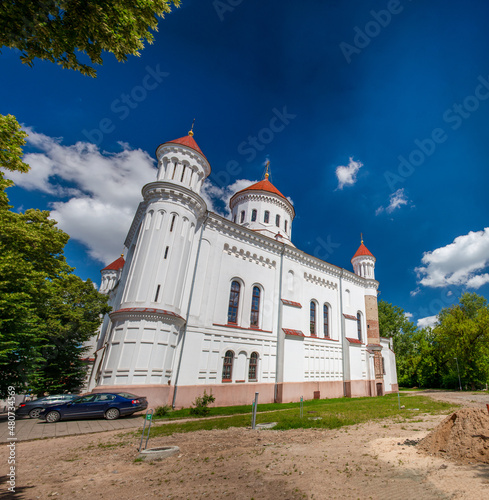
x=59, y=30
x=426, y=357
x=46, y=312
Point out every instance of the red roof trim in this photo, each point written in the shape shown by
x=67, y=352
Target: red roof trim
x=296, y=333
x=291, y=303
x=349, y=316
x=354, y=341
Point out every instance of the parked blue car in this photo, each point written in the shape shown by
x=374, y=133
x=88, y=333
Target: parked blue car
x=34, y=408
x=110, y=405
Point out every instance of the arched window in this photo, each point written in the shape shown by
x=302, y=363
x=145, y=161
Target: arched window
x=359, y=326
x=253, y=215
x=255, y=307
x=312, y=324
x=286, y=225
x=233, y=303
x=266, y=217
x=241, y=219
x=277, y=220
x=253, y=369
x=326, y=319
x=227, y=366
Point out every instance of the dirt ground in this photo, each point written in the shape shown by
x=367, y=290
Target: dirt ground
x=368, y=461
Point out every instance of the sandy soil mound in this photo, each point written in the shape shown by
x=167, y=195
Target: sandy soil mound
x=463, y=436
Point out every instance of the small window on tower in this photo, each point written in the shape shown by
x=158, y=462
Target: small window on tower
x=157, y=293
x=241, y=219
x=172, y=222
x=183, y=174
x=277, y=220
x=166, y=252
x=286, y=225
x=234, y=218
x=253, y=215
x=266, y=218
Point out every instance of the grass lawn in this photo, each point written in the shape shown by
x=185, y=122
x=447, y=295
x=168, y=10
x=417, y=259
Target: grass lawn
x=323, y=414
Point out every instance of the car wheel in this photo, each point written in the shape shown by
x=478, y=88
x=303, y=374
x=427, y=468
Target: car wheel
x=53, y=416
x=34, y=413
x=112, y=414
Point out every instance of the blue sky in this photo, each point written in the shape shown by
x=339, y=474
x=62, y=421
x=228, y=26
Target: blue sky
x=374, y=115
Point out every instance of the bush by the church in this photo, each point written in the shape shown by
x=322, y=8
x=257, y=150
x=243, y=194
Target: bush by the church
x=201, y=405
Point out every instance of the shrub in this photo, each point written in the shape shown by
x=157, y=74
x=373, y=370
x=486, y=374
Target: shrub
x=201, y=403
x=162, y=411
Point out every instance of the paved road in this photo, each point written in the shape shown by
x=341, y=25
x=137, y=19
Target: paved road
x=27, y=428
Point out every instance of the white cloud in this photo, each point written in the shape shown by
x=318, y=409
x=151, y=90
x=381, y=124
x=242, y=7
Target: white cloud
x=216, y=196
x=103, y=189
x=396, y=200
x=415, y=292
x=408, y=315
x=428, y=321
x=459, y=263
x=477, y=281
x=347, y=175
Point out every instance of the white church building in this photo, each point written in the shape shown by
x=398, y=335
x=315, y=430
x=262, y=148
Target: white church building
x=201, y=302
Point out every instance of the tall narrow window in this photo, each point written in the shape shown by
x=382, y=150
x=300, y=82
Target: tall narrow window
x=286, y=225
x=252, y=372
x=172, y=222
x=183, y=173
x=326, y=320
x=241, y=219
x=166, y=252
x=227, y=367
x=255, y=307
x=157, y=293
x=312, y=319
x=233, y=303
x=266, y=217
x=359, y=326
x=234, y=218
x=277, y=220
x=253, y=215
x=174, y=170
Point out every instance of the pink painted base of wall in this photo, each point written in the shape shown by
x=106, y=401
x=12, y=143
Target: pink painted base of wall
x=242, y=394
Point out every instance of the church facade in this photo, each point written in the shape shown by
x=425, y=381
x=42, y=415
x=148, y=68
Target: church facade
x=200, y=302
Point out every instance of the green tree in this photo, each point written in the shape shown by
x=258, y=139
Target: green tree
x=59, y=30
x=416, y=357
x=12, y=139
x=46, y=312
x=462, y=332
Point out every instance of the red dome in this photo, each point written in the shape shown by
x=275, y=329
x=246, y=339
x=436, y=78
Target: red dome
x=264, y=185
x=188, y=141
x=116, y=265
x=362, y=250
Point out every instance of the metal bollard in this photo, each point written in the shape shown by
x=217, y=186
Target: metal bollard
x=147, y=418
x=255, y=403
